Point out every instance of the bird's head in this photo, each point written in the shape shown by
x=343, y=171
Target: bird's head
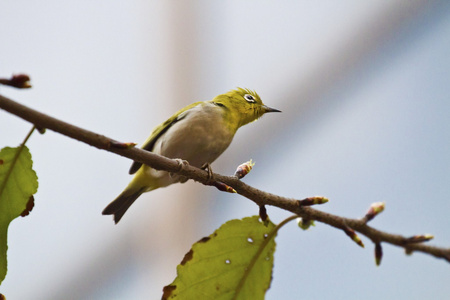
x=243, y=106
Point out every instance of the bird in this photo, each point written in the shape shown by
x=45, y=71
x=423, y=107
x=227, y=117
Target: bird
x=198, y=133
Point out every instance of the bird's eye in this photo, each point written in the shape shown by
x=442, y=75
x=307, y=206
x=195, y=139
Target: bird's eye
x=249, y=98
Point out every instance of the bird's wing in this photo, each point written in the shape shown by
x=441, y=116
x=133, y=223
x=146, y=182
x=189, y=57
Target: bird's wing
x=160, y=130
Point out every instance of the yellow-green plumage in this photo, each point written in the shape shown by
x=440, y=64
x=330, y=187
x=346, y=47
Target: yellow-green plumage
x=198, y=133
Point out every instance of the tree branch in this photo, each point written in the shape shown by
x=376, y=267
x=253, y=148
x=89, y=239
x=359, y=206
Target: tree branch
x=261, y=198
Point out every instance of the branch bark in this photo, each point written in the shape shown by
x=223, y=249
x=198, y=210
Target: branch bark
x=261, y=198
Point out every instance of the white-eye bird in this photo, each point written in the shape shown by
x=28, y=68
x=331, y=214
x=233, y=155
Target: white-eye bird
x=198, y=133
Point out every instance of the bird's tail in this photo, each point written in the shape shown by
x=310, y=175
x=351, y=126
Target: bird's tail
x=121, y=204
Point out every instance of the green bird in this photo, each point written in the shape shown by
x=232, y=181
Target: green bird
x=198, y=133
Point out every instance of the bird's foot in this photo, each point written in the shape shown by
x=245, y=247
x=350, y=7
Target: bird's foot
x=181, y=164
x=207, y=167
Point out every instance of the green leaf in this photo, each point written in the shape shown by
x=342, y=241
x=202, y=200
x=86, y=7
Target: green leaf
x=18, y=182
x=235, y=262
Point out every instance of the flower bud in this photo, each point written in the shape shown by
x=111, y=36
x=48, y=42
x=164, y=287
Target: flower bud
x=244, y=169
x=375, y=209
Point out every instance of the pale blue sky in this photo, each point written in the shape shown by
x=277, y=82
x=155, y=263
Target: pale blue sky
x=364, y=88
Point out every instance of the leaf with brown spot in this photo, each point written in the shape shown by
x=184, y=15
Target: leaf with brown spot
x=18, y=182
x=235, y=262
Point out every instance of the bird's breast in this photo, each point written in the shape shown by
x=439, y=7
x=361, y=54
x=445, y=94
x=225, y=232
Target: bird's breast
x=200, y=137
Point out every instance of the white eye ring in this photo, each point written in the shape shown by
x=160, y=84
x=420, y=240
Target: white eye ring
x=249, y=98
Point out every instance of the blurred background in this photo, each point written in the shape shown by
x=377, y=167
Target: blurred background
x=364, y=87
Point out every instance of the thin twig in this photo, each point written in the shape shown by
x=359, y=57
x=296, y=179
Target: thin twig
x=259, y=197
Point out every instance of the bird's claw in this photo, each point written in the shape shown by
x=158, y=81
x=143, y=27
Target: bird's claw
x=207, y=167
x=181, y=164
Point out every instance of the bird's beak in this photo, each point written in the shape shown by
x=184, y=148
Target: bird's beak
x=270, y=109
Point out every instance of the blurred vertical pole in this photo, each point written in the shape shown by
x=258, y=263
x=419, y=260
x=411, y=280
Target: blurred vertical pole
x=167, y=218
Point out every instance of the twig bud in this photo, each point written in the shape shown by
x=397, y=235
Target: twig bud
x=420, y=238
x=41, y=130
x=244, y=169
x=224, y=187
x=313, y=201
x=20, y=81
x=263, y=213
x=378, y=253
x=352, y=234
x=116, y=144
x=305, y=224
x=375, y=209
